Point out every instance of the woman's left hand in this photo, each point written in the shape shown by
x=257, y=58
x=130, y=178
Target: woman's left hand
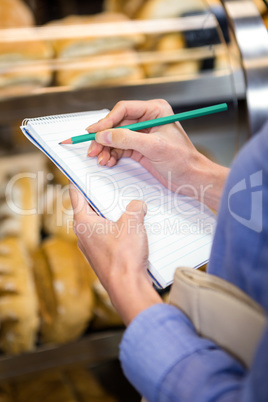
x=118, y=253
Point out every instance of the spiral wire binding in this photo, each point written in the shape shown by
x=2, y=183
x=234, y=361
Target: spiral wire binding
x=60, y=117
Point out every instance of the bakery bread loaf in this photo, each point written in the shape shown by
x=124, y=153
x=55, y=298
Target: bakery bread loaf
x=19, y=209
x=191, y=67
x=127, y=7
x=18, y=302
x=19, y=74
x=86, y=386
x=25, y=51
x=89, y=46
x=62, y=278
x=166, y=43
x=121, y=68
x=15, y=14
x=24, y=66
x=20, y=80
x=76, y=384
x=47, y=386
x=156, y=9
x=114, y=69
x=58, y=213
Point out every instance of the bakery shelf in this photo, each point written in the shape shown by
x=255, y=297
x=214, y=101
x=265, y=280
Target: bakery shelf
x=91, y=350
x=206, y=87
x=238, y=82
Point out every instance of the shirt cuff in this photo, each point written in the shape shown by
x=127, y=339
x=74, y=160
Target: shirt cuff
x=155, y=341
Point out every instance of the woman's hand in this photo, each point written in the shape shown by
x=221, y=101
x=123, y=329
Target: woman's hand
x=167, y=152
x=118, y=253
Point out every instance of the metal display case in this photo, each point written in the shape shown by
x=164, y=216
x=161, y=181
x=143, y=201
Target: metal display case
x=231, y=68
x=230, y=43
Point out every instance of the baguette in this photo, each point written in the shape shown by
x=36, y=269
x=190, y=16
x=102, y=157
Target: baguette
x=62, y=280
x=18, y=301
x=156, y=9
x=19, y=210
x=89, y=46
x=15, y=14
x=115, y=69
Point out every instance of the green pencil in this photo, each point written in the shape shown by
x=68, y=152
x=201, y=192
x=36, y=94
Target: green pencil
x=155, y=122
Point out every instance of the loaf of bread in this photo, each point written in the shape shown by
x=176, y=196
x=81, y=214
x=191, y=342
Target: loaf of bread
x=114, y=69
x=18, y=301
x=62, y=277
x=191, y=67
x=58, y=213
x=156, y=9
x=47, y=386
x=89, y=46
x=127, y=7
x=76, y=384
x=24, y=65
x=15, y=14
x=13, y=52
x=166, y=44
x=19, y=215
x=86, y=386
x=17, y=80
x=170, y=45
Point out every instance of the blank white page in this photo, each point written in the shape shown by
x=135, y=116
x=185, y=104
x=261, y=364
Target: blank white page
x=180, y=229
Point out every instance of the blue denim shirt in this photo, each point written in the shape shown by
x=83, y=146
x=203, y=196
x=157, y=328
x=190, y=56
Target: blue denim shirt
x=161, y=354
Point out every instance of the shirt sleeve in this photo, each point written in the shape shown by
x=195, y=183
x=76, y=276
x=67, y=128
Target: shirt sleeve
x=165, y=360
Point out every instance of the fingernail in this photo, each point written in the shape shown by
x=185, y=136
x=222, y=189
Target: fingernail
x=100, y=159
x=105, y=137
x=90, y=149
x=91, y=128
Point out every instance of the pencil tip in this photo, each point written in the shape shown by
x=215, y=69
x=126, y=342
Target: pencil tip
x=68, y=141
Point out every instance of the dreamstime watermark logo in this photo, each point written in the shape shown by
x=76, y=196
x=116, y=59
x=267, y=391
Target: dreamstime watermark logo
x=255, y=203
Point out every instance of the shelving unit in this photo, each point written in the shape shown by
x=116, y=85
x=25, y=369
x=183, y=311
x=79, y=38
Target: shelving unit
x=238, y=85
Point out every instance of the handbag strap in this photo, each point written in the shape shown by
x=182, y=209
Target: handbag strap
x=219, y=311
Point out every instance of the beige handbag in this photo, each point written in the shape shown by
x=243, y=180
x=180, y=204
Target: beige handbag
x=219, y=311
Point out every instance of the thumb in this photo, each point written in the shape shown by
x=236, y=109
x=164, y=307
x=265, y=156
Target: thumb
x=80, y=205
x=123, y=138
x=136, y=209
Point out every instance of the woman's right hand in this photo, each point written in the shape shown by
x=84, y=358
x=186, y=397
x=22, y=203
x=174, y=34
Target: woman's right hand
x=165, y=151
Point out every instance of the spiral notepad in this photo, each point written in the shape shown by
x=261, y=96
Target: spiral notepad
x=180, y=229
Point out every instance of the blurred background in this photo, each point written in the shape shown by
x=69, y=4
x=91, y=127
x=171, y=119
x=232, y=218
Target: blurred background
x=70, y=56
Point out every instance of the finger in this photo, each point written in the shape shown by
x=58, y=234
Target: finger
x=138, y=110
x=148, y=145
x=94, y=149
x=81, y=208
x=117, y=154
x=132, y=220
x=111, y=162
x=104, y=156
x=137, y=208
x=130, y=112
x=102, y=124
